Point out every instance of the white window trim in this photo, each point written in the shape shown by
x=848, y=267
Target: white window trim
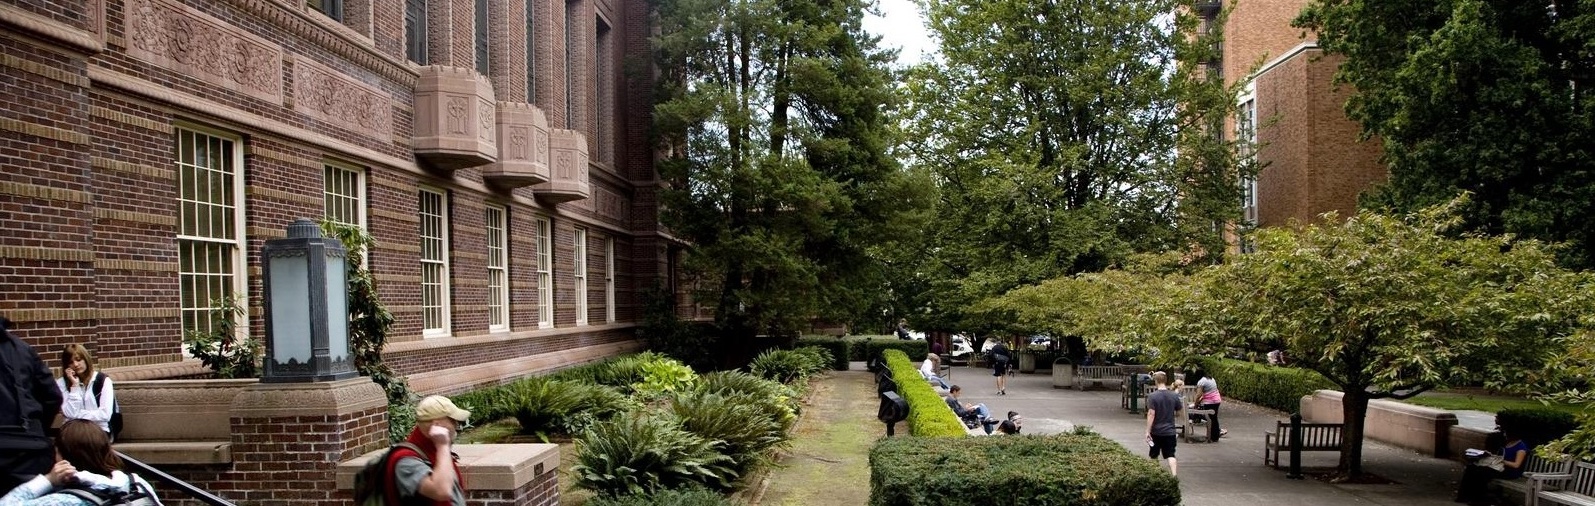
x=445, y=298
x=609, y=280
x=503, y=266
x=579, y=270
x=240, y=279
x=544, y=235
x=360, y=190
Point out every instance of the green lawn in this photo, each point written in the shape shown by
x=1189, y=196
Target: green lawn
x=1481, y=402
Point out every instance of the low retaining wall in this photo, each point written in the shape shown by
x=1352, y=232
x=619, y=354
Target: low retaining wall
x=1417, y=428
x=495, y=474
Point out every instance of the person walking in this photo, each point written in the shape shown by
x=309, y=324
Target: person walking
x=432, y=476
x=1160, y=409
x=29, y=401
x=1210, y=398
x=1001, y=360
x=80, y=400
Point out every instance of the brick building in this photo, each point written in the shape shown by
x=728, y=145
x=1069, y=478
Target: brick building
x=1311, y=158
x=496, y=149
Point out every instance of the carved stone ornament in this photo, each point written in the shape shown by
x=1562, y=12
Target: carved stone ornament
x=568, y=168
x=189, y=42
x=519, y=162
x=454, y=118
x=328, y=95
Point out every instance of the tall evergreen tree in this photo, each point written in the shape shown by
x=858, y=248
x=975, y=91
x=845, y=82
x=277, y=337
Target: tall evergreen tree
x=773, y=121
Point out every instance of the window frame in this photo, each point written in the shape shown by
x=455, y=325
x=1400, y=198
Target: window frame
x=443, y=285
x=415, y=31
x=544, y=236
x=499, y=241
x=609, y=279
x=237, y=257
x=579, y=273
x=482, y=40
x=330, y=8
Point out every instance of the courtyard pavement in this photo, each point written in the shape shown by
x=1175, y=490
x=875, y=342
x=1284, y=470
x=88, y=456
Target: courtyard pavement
x=1231, y=471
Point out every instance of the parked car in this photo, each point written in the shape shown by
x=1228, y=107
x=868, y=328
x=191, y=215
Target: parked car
x=961, y=347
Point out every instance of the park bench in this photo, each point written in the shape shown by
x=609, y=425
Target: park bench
x=1576, y=488
x=1534, y=466
x=1100, y=376
x=1315, y=437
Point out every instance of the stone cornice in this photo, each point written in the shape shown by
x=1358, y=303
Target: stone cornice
x=78, y=39
x=324, y=33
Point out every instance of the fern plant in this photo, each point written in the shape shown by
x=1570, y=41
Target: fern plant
x=639, y=453
x=738, y=424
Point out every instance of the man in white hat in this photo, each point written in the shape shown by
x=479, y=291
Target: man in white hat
x=431, y=477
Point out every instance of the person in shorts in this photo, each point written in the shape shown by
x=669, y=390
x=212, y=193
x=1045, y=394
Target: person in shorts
x=1161, y=407
x=1001, y=358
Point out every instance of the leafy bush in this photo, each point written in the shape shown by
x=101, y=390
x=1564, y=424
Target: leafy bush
x=662, y=376
x=915, y=350
x=778, y=400
x=1537, y=426
x=789, y=366
x=539, y=404
x=1074, y=469
x=928, y=414
x=639, y=453
x=222, y=349
x=686, y=497
x=838, y=349
x=736, y=422
x=667, y=333
x=1276, y=387
x=369, y=325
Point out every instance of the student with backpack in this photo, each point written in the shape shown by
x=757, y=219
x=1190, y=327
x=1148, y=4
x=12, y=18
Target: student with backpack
x=88, y=474
x=28, y=404
x=87, y=394
x=422, y=469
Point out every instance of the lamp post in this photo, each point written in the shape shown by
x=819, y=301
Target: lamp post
x=307, y=307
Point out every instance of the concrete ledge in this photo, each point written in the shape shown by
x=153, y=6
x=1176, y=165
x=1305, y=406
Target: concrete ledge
x=178, y=452
x=1462, y=437
x=1417, y=428
x=463, y=378
x=485, y=466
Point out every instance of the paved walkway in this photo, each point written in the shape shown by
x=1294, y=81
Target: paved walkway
x=1231, y=471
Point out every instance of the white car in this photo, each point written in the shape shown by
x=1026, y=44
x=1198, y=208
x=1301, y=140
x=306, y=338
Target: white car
x=960, y=347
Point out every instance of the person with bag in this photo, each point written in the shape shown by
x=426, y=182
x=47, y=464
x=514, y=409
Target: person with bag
x=87, y=473
x=1001, y=357
x=431, y=476
x=29, y=401
x=87, y=394
x=1506, y=465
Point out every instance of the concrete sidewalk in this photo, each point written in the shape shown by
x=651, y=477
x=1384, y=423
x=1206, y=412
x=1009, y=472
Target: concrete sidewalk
x=1231, y=471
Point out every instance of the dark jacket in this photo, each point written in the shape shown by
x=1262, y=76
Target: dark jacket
x=29, y=399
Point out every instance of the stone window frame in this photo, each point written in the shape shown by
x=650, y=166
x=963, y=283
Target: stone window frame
x=496, y=232
x=330, y=8
x=1246, y=143
x=609, y=279
x=434, y=260
x=603, y=82
x=482, y=45
x=572, y=44
x=231, y=268
x=416, y=24
x=579, y=274
x=531, y=51
x=545, y=271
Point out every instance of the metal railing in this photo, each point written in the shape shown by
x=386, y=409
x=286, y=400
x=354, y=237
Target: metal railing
x=148, y=472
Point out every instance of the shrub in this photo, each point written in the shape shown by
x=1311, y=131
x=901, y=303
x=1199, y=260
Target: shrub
x=736, y=423
x=662, y=376
x=222, y=349
x=1537, y=426
x=686, y=497
x=1086, y=470
x=928, y=414
x=779, y=401
x=915, y=350
x=639, y=453
x=789, y=366
x=1276, y=387
x=539, y=404
x=838, y=348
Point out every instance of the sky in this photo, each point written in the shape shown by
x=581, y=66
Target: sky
x=901, y=27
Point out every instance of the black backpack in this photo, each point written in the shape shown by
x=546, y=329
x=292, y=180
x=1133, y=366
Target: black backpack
x=371, y=483
x=116, y=406
x=136, y=495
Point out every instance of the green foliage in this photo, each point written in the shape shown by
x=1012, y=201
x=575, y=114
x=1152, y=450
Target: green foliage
x=369, y=322
x=1481, y=96
x=837, y=348
x=663, y=376
x=1072, y=469
x=1274, y=387
x=790, y=366
x=778, y=401
x=738, y=424
x=546, y=406
x=875, y=347
x=928, y=414
x=401, y=420
x=641, y=453
x=539, y=404
x=1537, y=426
x=667, y=497
x=667, y=334
x=227, y=353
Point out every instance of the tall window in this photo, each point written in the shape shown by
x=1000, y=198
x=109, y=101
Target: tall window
x=332, y=8
x=609, y=280
x=498, y=286
x=545, y=273
x=415, y=30
x=210, y=224
x=1246, y=142
x=604, y=85
x=482, y=63
x=572, y=24
x=531, y=51
x=433, y=209
x=343, y=195
x=581, y=276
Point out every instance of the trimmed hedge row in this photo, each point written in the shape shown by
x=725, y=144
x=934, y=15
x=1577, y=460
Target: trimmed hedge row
x=1079, y=469
x=1276, y=387
x=1537, y=426
x=863, y=350
x=837, y=347
x=928, y=414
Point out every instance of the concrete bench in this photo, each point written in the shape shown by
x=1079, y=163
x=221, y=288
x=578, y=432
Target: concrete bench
x=178, y=421
x=1575, y=488
x=1315, y=437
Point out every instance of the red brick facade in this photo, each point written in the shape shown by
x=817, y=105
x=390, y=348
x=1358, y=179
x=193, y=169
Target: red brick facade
x=94, y=93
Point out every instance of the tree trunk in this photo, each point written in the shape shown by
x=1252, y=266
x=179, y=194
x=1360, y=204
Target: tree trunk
x=1354, y=411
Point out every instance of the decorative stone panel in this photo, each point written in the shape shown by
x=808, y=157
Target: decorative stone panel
x=330, y=96
x=183, y=39
x=455, y=118
x=522, y=147
x=567, y=166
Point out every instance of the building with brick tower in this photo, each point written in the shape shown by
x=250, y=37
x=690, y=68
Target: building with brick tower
x=1311, y=159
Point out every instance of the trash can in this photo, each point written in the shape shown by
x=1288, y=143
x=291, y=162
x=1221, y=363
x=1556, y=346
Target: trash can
x=1027, y=362
x=1062, y=373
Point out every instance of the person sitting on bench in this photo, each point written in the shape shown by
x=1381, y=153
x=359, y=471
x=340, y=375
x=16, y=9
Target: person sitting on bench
x=970, y=413
x=929, y=368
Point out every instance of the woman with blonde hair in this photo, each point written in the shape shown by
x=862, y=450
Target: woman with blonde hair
x=80, y=400
x=86, y=472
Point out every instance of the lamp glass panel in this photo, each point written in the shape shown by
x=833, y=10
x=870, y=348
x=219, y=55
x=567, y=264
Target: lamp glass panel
x=337, y=309
x=290, y=309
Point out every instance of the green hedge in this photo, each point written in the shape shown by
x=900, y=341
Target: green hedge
x=928, y=414
x=1537, y=426
x=1276, y=387
x=916, y=350
x=1072, y=469
x=837, y=347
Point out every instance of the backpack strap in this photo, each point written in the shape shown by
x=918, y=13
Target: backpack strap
x=86, y=495
x=390, y=489
x=99, y=388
